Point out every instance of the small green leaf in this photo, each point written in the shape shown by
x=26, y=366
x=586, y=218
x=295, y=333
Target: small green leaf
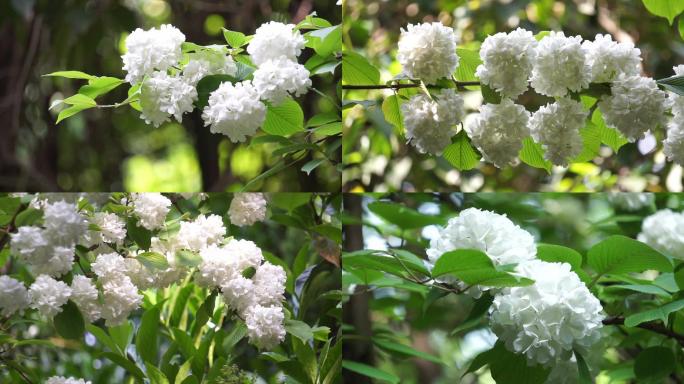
x=311, y=165
x=80, y=100
x=583, y=369
x=620, y=254
x=209, y=84
x=284, y=119
x=356, y=70
x=654, y=364
x=392, y=112
x=402, y=216
x=69, y=323
x=234, y=39
x=609, y=136
x=146, y=338
x=71, y=75
x=461, y=154
x=467, y=66
x=489, y=95
x=661, y=313
x=668, y=9
x=674, y=84
x=29, y=216
x=299, y=329
x=369, y=371
x=99, y=86
x=474, y=267
x=405, y=350
x=71, y=111
x=559, y=254
x=142, y=236
x=532, y=154
x=153, y=260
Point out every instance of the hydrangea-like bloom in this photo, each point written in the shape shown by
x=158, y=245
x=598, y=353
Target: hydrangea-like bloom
x=272, y=40
x=507, y=60
x=269, y=284
x=430, y=124
x=112, y=227
x=162, y=96
x=85, y=295
x=151, y=209
x=276, y=79
x=556, y=127
x=13, y=296
x=265, y=326
x=154, y=49
x=140, y=276
x=428, y=51
x=547, y=320
x=673, y=145
x=31, y=244
x=247, y=208
x=120, y=297
x=65, y=380
x=64, y=224
x=499, y=130
x=203, y=231
x=560, y=65
x=609, y=59
x=239, y=293
x=664, y=231
x=47, y=295
x=109, y=266
x=60, y=262
x=235, y=111
x=634, y=106
x=630, y=201
x=208, y=62
x=221, y=264
x=677, y=101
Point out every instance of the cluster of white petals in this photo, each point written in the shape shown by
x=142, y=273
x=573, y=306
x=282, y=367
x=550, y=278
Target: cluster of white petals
x=201, y=232
x=235, y=111
x=560, y=65
x=208, y=62
x=152, y=50
x=430, y=123
x=120, y=297
x=151, y=209
x=507, y=60
x=84, y=293
x=634, y=106
x=548, y=320
x=673, y=146
x=65, y=380
x=273, y=40
x=247, y=208
x=631, y=201
x=278, y=78
x=428, y=51
x=47, y=295
x=265, y=325
x=557, y=128
x=499, y=130
x=609, y=59
x=112, y=228
x=163, y=96
x=664, y=231
x=14, y=296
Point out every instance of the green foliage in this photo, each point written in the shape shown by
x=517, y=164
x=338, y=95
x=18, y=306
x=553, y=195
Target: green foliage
x=356, y=70
x=620, y=254
x=461, y=154
x=284, y=119
x=668, y=9
x=474, y=267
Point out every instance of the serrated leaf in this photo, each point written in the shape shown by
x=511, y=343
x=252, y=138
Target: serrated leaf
x=402, y=216
x=620, y=254
x=474, y=267
x=69, y=323
x=146, y=337
x=356, y=70
x=284, y=119
x=661, y=313
x=71, y=75
x=461, y=154
x=532, y=154
x=234, y=39
x=668, y=9
x=392, y=112
x=469, y=60
x=591, y=143
x=609, y=136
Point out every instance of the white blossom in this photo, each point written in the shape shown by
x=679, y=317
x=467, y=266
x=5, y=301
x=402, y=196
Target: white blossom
x=269, y=284
x=635, y=106
x=428, y=51
x=60, y=262
x=48, y=295
x=631, y=201
x=273, y=40
x=664, y=231
x=85, y=295
x=673, y=145
x=208, y=62
x=63, y=223
x=507, y=60
x=499, y=130
x=609, y=59
x=112, y=227
x=65, y=380
x=549, y=319
x=120, y=297
x=163, y=96
x=31, y=244
x=560, y=65
x=265, y=326
x=140, y=275
x=109, y=266
x=677, y=101
x=278, y=78
x=14, y=296
x=203, y=231
x=557, y=128
x=235, y=111
x=154, y=49
x=151, y=209
x=430, y=124
x=247, y=208
x=221, y=264
x=238, y=292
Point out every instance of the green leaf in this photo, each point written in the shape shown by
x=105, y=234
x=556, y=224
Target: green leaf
x=326, y=41
x=469, y=60
x=591, y=143
x=680, y=27
x=660, y=313
x=654, y=364
x=183, y=372
x=29, y=216
x=668, y=9
x=121, y=335
x=673, y=83
x=322, y=119
x=461, y=154
x=583, y=369
x=153, y=260
x=80, y=100
x=489, y=95
x=402, y=216
x=188, y=258
x=103, y=338
x=71, y=75
x=209, y=84
x=405, y=350
x=368, y=259
x=609, y=136
x=299, y=329
x=124, y=363
x=532, y=154
x=142, y=236
x=284, y=119
x=480, y=308
x=155, y=375
x=392, y=112
x=69, y=323
x=474, y=267
x=100, y=86
x=356, y=70
x=642, y=288
x=146, y=338
x=559, y=254
x=234, y=39
x=620, y=254
x=369, y=371
x=508, y=367
x=311, y=165
x=71, y=111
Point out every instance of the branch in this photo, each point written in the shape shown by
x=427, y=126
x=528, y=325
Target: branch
x=402, y=86
x=651, y=326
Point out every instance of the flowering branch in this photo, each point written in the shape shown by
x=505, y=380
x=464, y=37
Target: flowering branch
x=653, y=327
x=403, y=86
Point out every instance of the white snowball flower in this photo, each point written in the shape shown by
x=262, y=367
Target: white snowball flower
x=60, y=262
x=221, y=264
x=507, y=60
x=140, y=276
x=499, y=130
x=560, y=65
x=673, y=145
x=238, y=293
x=557, y=128
x=276, y=79
x=244, y=254
x=265, y=326
x=677, y=101
x=64, y=224
x=272, y=40
x=430, y=124
x=664, y=231
x=154, y=49
x=634, y=106
x=546, y=321
x=151, y=209
x=31, y=244
x=247, y=208
x=163, y=96
x=112, y=227
x=14, y=296
x=65, y=380
x=48, y=295
x=428, y=51
x=235, y=111
x=109, y=266
x=120, y=297
x=203, y=231
x=269, y=284
x=85, y=295
x=208, y=62
x=609, y=59
x=631, y=201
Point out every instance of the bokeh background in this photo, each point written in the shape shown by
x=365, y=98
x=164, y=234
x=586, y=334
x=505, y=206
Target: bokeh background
x=112, y=149
x=377, y=157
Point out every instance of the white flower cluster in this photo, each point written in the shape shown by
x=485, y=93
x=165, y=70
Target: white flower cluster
x=47, y=295
x=430, y=123
x=13, y=296
x=428, y=51
x=507, y=60
x=65, y=380
x=498, y=131
x=664, y=231
x=560, y=65
x=631, y=201
x=557, y=128
x=247, y=208
x=169, y=77
x=673, y=146
x=151, y=209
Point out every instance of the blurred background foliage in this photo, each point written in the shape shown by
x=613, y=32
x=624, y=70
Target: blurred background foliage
x=113, y=150
x=375, y=153
x=443, y=339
